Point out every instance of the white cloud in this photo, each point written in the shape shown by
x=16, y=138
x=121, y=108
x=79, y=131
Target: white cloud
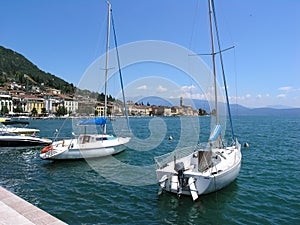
x=286, y=88
x=188, y=88
x=161, y=89
x=143, y=87
x=281, y=96
x=248, y=96
x=195, y=96
x=259, y=96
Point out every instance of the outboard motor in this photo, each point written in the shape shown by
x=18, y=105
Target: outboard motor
x=179, y=168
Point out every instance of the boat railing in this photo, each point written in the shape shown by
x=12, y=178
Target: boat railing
x=163, y=160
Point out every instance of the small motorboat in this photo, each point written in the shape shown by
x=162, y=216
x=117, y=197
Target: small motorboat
x=17, y=127
x=21, y=140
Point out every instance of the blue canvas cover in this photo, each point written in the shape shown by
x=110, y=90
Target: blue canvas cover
x=93, y=121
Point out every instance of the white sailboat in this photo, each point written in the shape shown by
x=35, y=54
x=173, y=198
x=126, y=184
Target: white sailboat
x=89, y=145
x=207, y=167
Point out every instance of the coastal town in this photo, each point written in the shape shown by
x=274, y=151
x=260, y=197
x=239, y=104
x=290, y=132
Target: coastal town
x=37, y=100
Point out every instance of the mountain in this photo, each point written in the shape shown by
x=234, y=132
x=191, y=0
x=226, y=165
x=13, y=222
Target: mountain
x=279, y=107
x=237, y=109
x=265, y=111
x=13, y=66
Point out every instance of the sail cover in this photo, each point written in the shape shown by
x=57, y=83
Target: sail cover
x=93, y=121
x=216, y=132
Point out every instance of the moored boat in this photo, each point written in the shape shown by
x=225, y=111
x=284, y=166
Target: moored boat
x=210, y=166
x=85, y=146
x=91, y=145
x=19, y=140
x=14, y=127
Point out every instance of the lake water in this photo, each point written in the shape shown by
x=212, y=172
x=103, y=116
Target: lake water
x=123, y=191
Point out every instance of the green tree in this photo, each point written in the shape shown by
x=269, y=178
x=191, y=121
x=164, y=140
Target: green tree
x=101, y=97
x=18, y=109
x=202, y=112
x=44, y=111
x=34, y=112
x=61, y=111
x=4, y=110
x=108, y=111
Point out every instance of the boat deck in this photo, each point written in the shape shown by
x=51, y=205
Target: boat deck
x=15, y=210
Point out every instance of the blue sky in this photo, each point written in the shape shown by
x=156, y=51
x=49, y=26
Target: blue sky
x=64, y=37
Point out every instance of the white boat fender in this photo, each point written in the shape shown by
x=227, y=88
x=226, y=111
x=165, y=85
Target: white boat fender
x=170, y=138
x=162, y=181
x=246, y=145
x=162, y=184
x=193, y=188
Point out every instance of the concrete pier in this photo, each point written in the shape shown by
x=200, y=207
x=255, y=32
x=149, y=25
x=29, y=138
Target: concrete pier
x=15, y=210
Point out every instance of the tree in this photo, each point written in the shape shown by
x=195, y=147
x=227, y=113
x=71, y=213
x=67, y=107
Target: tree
x=4, y=110
x=44, y=111
x=202, y=112
x=61, y=111
x=18, y=109
x=101, y=97
x=34, y=112
x=108, y=111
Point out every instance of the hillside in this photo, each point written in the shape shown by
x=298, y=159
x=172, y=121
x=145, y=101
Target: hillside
x=13, y=66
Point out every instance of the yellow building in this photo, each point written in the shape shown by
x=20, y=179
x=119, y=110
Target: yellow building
x=32, y=102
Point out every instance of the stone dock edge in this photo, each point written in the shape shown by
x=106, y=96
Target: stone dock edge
x=15, y=210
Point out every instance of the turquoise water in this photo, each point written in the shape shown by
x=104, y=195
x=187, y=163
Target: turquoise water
x=267, y=190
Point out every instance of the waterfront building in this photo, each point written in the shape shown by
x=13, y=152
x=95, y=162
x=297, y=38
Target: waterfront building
x=163, y=111
x=140, y=110
x=31, y=102
x=6, y=101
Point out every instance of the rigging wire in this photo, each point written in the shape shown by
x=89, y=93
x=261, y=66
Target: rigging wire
x=120, y=72
x=223, y=71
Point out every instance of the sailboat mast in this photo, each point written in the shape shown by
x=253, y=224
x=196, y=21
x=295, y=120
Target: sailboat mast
x=213, y=54
x=106, y=63
x=223, y=71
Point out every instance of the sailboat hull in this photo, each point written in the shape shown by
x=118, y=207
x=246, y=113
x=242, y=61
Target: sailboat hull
x=208, y=181
x=75, y=149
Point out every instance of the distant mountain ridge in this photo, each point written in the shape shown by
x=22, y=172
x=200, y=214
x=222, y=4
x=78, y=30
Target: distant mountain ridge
x=236, y=109
x=13, y=66
x=265, y=111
